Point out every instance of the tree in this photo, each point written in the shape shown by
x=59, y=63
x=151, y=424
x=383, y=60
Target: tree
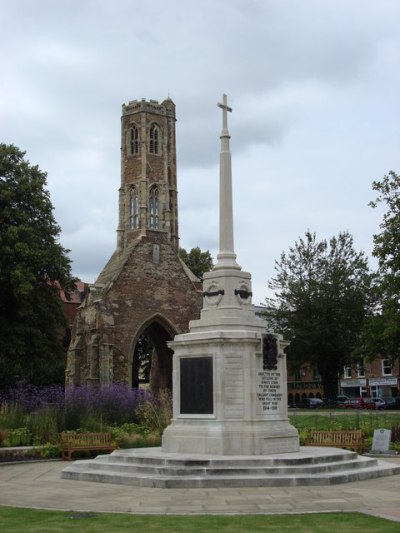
x=321, y=298
x=33, y=269
x=381, y=334
x=199, y=262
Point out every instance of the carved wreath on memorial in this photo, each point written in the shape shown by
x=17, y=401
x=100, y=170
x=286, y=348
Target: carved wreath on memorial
x=213, y=294
x=270, y=352
x=243, y=294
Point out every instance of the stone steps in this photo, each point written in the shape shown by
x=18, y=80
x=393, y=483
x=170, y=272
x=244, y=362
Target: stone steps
x=151, y=467
x=223, y=470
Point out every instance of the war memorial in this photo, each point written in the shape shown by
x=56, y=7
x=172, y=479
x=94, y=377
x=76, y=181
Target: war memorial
x=230, y=425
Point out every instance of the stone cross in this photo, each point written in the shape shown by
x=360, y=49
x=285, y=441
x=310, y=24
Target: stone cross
x=226, y=257
x=225, y=109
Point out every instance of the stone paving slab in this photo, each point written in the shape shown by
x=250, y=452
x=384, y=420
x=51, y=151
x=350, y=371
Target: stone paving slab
x=39, y=485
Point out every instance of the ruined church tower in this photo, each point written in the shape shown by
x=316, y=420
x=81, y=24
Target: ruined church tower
x=148, y=193
x=145, y=292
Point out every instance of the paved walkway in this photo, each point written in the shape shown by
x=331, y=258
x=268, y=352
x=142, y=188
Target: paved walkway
x=39, y=485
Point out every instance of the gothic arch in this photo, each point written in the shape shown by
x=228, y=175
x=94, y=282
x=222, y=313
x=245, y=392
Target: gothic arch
x=153, y=214
x=133, y=207
x=157, y=330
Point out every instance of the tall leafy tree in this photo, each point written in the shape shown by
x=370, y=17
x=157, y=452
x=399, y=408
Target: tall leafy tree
x=321, y=298
x=33, y=268
x=381, y=334
x=199, y=262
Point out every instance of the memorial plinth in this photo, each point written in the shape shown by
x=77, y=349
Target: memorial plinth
x=227, y=398
x=229, y=376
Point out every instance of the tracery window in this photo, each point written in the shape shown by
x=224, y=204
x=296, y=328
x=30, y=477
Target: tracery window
x=153, y=208
x=134, y=140
x=133, y=209
x=154, y=138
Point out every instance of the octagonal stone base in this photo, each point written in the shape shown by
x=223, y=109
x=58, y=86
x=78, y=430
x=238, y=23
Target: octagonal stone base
x=230, y=438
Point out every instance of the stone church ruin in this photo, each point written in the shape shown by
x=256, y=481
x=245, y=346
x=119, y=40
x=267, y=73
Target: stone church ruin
x=145, y=295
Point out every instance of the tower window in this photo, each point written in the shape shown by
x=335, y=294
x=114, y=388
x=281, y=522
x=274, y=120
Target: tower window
x=154, y=134
x=134, y=140
x=153, y=208
x=133, y=209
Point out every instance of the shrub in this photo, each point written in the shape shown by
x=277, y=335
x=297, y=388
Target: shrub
x=303, y=435
x=132, y=441
x=155, y=413
x=18, y=437
x=153, y=439
x=11, y=415
x=49, y=451
x=396, y=433
x=43, y=426
x=98, y=406
x=46, y=412
x=395, y=446
x=4, y=434
x=27, y=398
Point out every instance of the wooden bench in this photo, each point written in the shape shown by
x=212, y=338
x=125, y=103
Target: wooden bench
x=337, y=439
x=79, y=442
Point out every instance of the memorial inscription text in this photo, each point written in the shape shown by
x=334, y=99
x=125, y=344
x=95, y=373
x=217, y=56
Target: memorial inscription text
x=269, y=391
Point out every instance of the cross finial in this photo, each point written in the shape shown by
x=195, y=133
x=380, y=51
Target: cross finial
x=225, y=109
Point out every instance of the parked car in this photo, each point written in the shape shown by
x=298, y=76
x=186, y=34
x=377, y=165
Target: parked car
x=328, y=402
x=394, y=403
x=355, y=403
x=341, y=399
x=372, y=403
x=379, y=402
x=310, y=403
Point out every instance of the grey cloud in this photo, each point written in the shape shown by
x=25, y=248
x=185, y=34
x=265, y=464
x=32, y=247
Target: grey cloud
x=313, y=86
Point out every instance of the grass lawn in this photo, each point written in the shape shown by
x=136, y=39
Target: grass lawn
x=32, y=520
x=338, y=421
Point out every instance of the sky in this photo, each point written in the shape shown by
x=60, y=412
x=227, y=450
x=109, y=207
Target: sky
x=314, y=86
